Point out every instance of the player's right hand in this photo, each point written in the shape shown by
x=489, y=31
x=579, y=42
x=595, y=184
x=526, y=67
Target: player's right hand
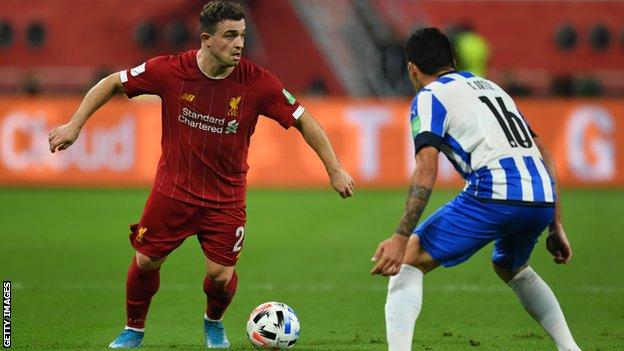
x=389, y=255
x=63, y=136
x=343, y=183
x=558, y=246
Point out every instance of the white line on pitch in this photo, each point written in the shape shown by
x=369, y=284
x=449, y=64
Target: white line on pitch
x=450, y=288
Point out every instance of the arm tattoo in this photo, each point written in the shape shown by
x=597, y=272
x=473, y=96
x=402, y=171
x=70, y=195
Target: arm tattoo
x=417, y=198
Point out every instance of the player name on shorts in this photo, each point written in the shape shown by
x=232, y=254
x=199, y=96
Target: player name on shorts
x=200, y=121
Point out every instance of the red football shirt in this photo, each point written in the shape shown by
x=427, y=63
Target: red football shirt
x=207, y=124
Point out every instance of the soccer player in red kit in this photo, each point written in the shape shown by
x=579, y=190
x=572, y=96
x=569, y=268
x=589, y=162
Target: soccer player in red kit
x=211, y=100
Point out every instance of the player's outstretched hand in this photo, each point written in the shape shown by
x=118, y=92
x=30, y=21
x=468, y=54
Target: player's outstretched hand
x=342, y=182
x=389, y=255
x=558, y=246
x=63, y=136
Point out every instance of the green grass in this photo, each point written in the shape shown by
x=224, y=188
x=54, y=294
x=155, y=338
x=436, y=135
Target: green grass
x=67, y=253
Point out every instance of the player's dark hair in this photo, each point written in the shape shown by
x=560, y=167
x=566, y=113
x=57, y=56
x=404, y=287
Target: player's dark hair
x=217, y=11
x=430, y=50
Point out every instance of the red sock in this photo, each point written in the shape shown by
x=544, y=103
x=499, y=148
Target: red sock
x=140, y=287
x=219, y=298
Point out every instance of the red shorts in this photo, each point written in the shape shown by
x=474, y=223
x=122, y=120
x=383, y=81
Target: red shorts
x=166, y=222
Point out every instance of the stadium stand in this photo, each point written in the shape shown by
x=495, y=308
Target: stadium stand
x=338, y=47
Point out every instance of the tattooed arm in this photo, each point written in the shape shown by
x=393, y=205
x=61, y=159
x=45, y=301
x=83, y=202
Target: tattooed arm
x=389, y=254
x=417, y=198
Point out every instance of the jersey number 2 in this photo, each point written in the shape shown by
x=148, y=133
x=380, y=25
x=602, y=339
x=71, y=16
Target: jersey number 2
x=513, y=126
x=240, y=234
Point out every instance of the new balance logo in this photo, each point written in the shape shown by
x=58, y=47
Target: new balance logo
x=188, y=97
x=232, y=126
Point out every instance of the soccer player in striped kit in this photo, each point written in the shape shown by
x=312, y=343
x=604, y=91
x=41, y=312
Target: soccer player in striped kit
x=510, y=195
x=211, y=100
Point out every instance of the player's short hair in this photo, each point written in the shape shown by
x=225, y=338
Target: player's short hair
x=217, y=11
x=430, y=50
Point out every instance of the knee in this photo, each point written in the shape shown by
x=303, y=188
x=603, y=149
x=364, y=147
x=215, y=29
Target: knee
x=417, y=257
x=419, y=262
x=505, y=274
x=220, y=277
x=146, y=263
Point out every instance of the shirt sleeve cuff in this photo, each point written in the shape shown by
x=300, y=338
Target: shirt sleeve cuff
x=427, y=139
x=298, y=112
x=123, y=76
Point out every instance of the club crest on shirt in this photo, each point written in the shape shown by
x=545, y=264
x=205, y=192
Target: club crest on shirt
x=233, y=110
x=140, y=233
x=188, y=97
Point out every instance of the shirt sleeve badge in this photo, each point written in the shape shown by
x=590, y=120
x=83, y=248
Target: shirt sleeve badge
x=289, y=97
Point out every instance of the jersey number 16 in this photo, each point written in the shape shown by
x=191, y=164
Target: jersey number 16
x=512, y=125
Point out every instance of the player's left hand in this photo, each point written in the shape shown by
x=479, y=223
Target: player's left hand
x=558, y=246
x=389, y=255
x=342, y=182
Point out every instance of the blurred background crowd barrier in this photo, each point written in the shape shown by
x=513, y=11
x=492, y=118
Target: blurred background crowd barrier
x=121, y=145
x=563, y=60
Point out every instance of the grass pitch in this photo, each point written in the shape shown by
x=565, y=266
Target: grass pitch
x=67, y=252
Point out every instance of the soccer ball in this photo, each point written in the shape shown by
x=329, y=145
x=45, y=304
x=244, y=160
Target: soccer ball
x=273, y=326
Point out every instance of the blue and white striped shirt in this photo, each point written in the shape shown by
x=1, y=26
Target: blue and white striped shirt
x=481, y=131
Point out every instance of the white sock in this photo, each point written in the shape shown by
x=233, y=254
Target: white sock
x=542, y=305
x=403, y=304
x=212, y=320
x=140, y=330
